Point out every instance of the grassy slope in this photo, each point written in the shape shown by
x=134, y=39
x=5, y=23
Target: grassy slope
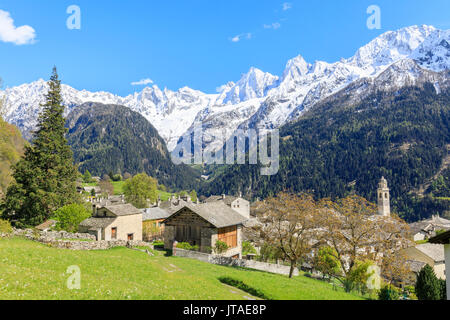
x=29, y=270
x=118, y=189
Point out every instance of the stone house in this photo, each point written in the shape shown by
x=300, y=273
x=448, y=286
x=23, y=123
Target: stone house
x=238, y=204
x=426, y=229
x=444, y=240
x=203, y=225
x=114, y=222
x=152, y=223
x=427, y=253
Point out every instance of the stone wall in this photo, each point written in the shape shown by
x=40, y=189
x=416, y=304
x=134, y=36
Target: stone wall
x=225, y=261
x=75, y=241
x=94, y=245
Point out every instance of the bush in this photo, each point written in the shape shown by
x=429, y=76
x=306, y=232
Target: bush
x=116, y=177
x=69, y=217
x=443, y=289
x=427, y=285
x=187, y=246
x=388, y=293
x=220, y=247
x=248, y=248
x=5, y=227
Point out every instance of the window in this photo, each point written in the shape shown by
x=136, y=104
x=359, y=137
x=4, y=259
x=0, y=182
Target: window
x=229, y=236
x=130, y=236
x=113, y=233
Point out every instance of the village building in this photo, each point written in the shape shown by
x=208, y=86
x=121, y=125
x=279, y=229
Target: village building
x=203, y=225
x=427, y=229
x=152, y=223
x=238, y=204
x=46, y=226
x=426, y=253
x=444, y=239
x=114, y=222
x=153, y=218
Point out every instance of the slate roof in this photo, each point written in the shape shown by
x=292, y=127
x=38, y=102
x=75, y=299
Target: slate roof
x=96, y=223
x=47, y=224
x=434, y=251
x=124, y=209
x=416, y=266
x=429, y=225
x=228, y=199
x=155, y=213
x=217, y=213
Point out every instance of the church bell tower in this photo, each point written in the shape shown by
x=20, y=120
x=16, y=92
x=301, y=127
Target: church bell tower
x=384, y=207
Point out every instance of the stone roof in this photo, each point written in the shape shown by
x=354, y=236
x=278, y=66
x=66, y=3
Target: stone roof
x=429, y=225
x=228, y=199
x=123, y=209
x=155, y=213
x=171, y=206
x=415, y=266
x=95, y=223
x=47, y=224
x=434, y=251
x=217, y=213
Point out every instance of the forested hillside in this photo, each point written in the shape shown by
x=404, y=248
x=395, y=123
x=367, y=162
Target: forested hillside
x=339, y=148
x=113, y=138
x=11, y=148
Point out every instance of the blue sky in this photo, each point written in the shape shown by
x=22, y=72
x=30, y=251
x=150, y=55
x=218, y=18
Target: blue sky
x=189, y=43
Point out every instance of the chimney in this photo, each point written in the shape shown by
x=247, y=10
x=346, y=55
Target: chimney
x=122, y=198
x=94, y=210
x=223, y=196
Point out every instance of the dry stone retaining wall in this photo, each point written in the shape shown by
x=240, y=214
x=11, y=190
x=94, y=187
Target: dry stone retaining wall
x=74, y=241
x=225, y=261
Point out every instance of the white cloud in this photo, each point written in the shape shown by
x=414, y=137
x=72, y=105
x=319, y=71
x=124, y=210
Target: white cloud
x=17, y=35
x=287, y=6
x=275, y=26
x=241, y=36
x=142, y=82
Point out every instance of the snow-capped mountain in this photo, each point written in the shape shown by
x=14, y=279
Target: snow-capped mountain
x=260, y=100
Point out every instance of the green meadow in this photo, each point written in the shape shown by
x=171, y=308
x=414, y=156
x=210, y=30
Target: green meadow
x=30, y=270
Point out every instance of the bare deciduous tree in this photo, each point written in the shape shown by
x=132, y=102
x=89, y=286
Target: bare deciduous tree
x=288, y=222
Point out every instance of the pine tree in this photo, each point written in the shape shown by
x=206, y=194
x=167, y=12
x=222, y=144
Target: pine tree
x=87, y=177
x=45, y=178
x=427, y=285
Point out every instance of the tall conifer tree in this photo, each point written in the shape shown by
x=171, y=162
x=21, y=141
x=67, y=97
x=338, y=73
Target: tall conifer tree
x=45, y=178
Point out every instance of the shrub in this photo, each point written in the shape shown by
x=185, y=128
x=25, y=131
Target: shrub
x=187, y=246
x=443, y=289
x=158, y=243
x=388, y=293
x=248, y=248
x=220, y=247
x=5, y=227
x=116, y=177
x=327, y=263
x=69, y=217
x=427, y=285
